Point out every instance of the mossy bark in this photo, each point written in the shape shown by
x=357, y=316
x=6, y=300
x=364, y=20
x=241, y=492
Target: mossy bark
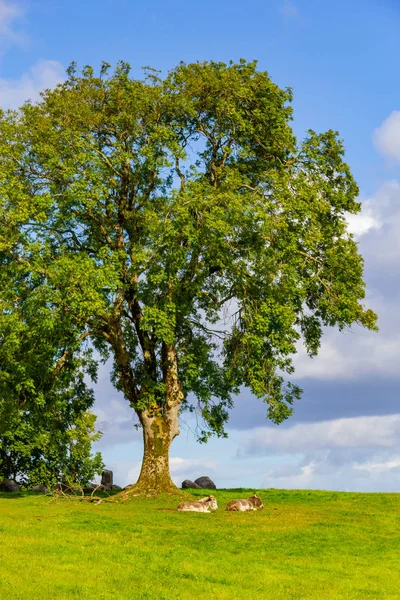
x=160, y=425
x=158, y=434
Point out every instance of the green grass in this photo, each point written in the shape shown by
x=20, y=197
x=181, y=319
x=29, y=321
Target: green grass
x=303, y=545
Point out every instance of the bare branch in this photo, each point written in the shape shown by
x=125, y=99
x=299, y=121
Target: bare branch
x=179, y=173
x=216, y=332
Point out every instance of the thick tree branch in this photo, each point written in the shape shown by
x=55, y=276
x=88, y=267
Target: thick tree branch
x=61, y=361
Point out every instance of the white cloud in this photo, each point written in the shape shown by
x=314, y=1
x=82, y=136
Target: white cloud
x=387, y=137
x=10, y=13
x=370, y=432
x=381, y=247
x=377, y=212
x=44, y=74
x=351, y=358
x=190, y=468
x=363, y=222
x=319, y=473
x=358, y=454
x=379, y=467
x=357, y=352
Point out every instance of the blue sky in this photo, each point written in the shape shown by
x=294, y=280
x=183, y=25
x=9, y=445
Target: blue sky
x=341, y=59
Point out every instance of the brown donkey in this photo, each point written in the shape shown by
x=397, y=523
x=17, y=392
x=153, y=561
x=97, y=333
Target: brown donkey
x=204, y=505
x=252, y=503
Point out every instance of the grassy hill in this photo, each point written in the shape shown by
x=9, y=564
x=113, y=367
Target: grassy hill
x=303, y=545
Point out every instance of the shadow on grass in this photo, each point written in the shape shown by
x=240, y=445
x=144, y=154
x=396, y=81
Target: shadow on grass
x=18, y=495
x=30, y=494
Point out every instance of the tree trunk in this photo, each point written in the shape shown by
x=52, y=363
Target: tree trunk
x=158, y=434
x=160, y=426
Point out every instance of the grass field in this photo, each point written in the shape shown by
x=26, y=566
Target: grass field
x=304, y=544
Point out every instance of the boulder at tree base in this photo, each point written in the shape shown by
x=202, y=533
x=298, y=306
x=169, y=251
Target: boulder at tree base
x=40, y=489
x=9, y=485
x=189, y=484
x=206, y=483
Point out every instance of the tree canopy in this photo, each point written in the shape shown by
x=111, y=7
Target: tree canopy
x=179, y=225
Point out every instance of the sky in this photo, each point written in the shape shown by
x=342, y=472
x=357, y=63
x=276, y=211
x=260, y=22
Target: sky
x=341, y=60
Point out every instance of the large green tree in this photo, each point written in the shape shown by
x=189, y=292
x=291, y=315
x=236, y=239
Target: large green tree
x=179, y=225
x=46, y=429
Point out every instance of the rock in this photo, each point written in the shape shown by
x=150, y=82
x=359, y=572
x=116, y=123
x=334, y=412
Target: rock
x=41, y=489
x=116, y=487
x=205, y=482
x=189, y=484
x=94, y=486
x=9, y=485
x=127, y=487
x=63, y=487
x=107, y=479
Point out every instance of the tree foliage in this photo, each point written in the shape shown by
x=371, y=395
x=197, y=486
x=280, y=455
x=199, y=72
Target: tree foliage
x=179, y=224
x=35, y=449
x=46, y=430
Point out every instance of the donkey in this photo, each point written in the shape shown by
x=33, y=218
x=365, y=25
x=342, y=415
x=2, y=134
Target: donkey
x=252, y=503
x=203, y=505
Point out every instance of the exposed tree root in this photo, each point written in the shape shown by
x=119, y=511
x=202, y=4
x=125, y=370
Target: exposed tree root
x=141, y=491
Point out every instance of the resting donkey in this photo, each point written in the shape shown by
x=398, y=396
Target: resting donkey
x=250, y=504
x=203, y=505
